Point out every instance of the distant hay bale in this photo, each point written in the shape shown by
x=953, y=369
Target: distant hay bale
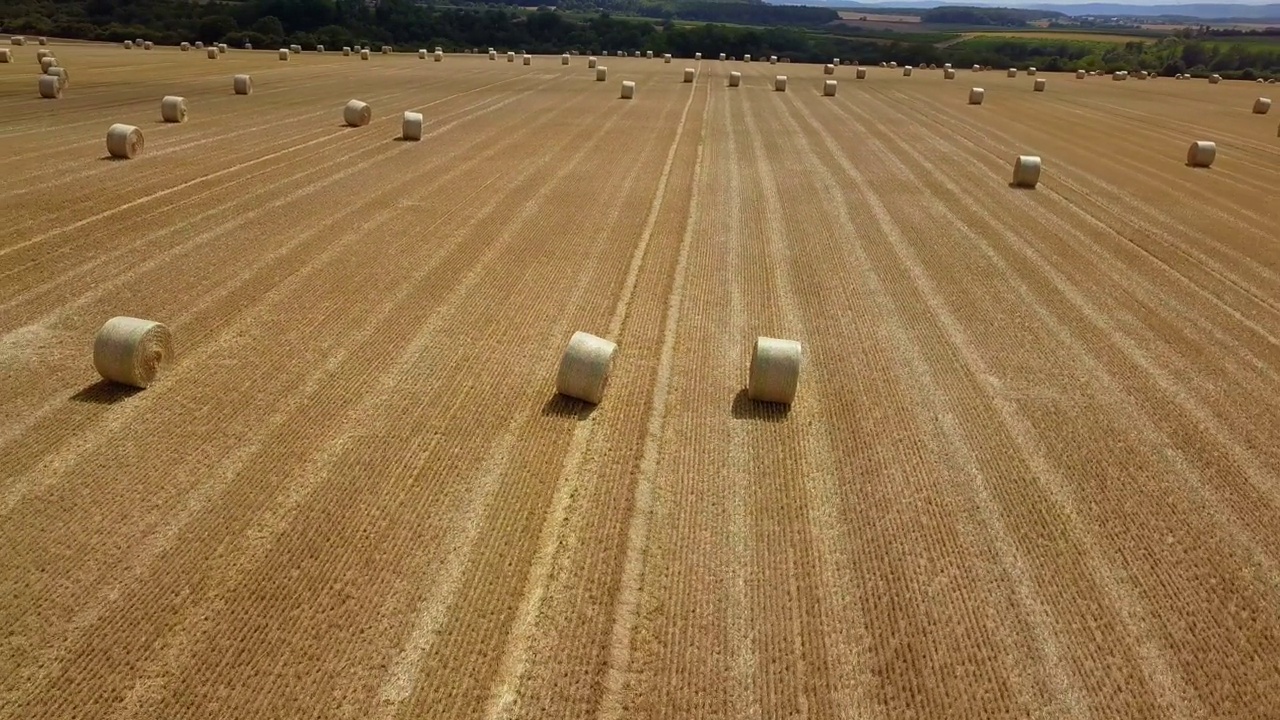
x=948, y=74
x=222, y=48
x=411, y=126
x=248, y=46
x=60, y=73
x=829, y=88
x=124, y=141
x=947, y=66
x=1079, y=74
x=295, y=49
x=320, y=49
x=648, y=54
x=1013, y=72
x=1142, y=74
x=976, y=95
x=139, y=42
x=1026, y=171
x=200, y=45
x=893, y=65
x=43, y=53
x=697, y=56
x=440, y=49
x=211, y=53
x=735, y=79
x=438, y=55
x=50, y=87
x=6, y=56
x=628, y=89
x=242, y=84
x=602, y=73
x=357, y=113
x=386, y=49
x=1031, y=71
x=147, y=45
x=1201, y=153
x=907, y=70
x=722, y=57
x=591, y=63
x=346, y=51
x=364, y=53
x=835, y=61
x=283, y=54
x=775, y=370
x=773, y=59
x=977, y=68
x=621, y=54
x=185, y=47
x=637, y=53
x=42, y=41
x=860, y=73
x=1039, y=86
x=131, y=351
x=564, y=59
x=688, y=75
x=828, y=69
x=511, y=57
x=173, y=109
x=422, y=53
x=1215, y=79
x=18, y=40
x=780, y=83
x=666, y=58
x=1262, y=106
x=528, y=60
x=584, y=367
x=493, y=55
x=48, y=62
x=746, y=58
x=128, y=44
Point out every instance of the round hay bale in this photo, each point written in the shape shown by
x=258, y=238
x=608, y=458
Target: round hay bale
x=907, y=70
x=364, y=53
x=493, y=55
x=584, y=367
x=977, y=68
x=173, y=109
x=185, y=46
x=893, y=65
x=1262, y=106
x=666, y=58
x=124, y=141
x=828, y=69
x=1026, y=171
x=780, y=83
x=48, y=62
x=1201, y=153
x=320, y=49
x=138, y=42
x=602, y=73
x=60, y=73
x=411, y=126
x=50, y=87
x=212, y=53
x=697, y=56
x=860, y=73
x=829, y=88
x=18, y=40
x=128, y=44
x=688, y=75
x=947, y=66
x=283, y=54
x=147, y=45
x=438, y=56
x=6, y=56
x=242, y=84
x=1079, y=74
x=131, y=351
x=1039, y=86
x=386, y=49
x=637, y=53
x=628, y=89
x=528, y=60
x=222, y=48
x=976, y=96
x=722, y=57
x=200, y=45
x=422, y=53
x=648, y=55
x=1031, y=71
x=346, y=51
x=511, y=57
x=1215, y=79
x=948, y=74
x=775, y=370
x=1142, y=74
x=746, y=58
x=248, y=46
x=564, y=59
x=357, y=113
x=773, y=59
x=42, y=54
x=735, y=79
x=42, y=41
x=591, y=63
x=1013, y=72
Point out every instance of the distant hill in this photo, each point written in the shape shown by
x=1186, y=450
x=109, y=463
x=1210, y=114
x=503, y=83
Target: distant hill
x=1202, y=11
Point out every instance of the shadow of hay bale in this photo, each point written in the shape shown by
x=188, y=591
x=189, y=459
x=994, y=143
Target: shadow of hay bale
x=744, y=408
x=105, y=392
x=566, y=407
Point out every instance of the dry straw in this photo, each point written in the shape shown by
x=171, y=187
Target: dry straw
x=828, y=69
x=50, y=87
x=124, y=141
x=584, y=367
x=200, y=45
x=697, y=56
x=1262, y=106
x=212, y=53
x=1013, y=72
x=6, y=56
x=602, y=73
x=1039, y=86
x=829, y=88
x=320, y=49
x=132, y=351
x=746, y=58
x=42, y=41
x=948, y=74
x=860, y=73
x=422, y=53
x=722, y=57
x=48, y=62
x=773, y=59
x=1080, y=74
x=648, y=54
x=222, y=48
x=1201, y=154
x=18, y=40
x=907, y=70
x=666, y=58
x=528, y=60
x=283, y=54
x=173, y=109
x=628, y=89
x=242, y=84
x=43, y=53
x=128, y=44
x=775, y=370
x=364, y=53
x=411, y=126
x=688, y=75
x=976, y=96
x=735, y=79
x=591, y=63
x=185, y=47
x=438, y=56
x=1026, y=171
x=147, y=45
x=357, y=113
x=780, y=83
x=346, y=51
x=564, y=59
x=60, y=73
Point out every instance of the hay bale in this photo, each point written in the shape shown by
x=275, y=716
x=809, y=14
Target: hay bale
x=648, y=55
x=828, y=69
x=977, y=68
x=386, y=49
x=722, y=57
x=18, y=40
x=860, y=73
x=320, y=49
x=364, y=53
x=1026, y=171
x=564, y=59
x=242, y=84
x=48, y=62
x=1142, y=74
x=697, y=56
x=1201, y=153
x=173, y=109
x=528, y=60
x=1215, y=79
x=124, y=141
x=139, y=42
x=411, y=126
x=688, y=75
x=42, y=54
x=1262, y=106
x=746, y=58
x=1079, y=74
x=628, y=89
x=591, y=63
x=60, y=73
x=295, y=49
x=584, y=367
x=283, y=54
x=976, y=96
x=128, y=44
x=199, y=45
x=947, y=66
x=422, y=53
x=6, y=56
x=493, y=55
x=775, y=370
x=602, y=73
x=1013, y=72
x=773, y=59
x=147, y=45
x=185, y=46
x=511, y=57
x=248, y=46
x=356, y=113
x=637, y=53
x=735, y=79
x=1031, y=71
x=212, y=53
x=780, y=83
x=222, y=48
x=907, y=70
x=948, y=74
x=829, y=88
x=131, y=351
x=42, y=41
x=346, y=51
x=893, y=65
x=1039, y=86
x=438, y=56
x=666, y=58
x=50, y=87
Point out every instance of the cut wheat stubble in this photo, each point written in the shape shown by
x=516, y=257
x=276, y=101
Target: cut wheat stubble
x=775, y=370
x=584, y=367
x=132, y=351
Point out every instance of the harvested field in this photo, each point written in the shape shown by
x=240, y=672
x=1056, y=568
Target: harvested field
x=1062, y=35
x=1032, y=468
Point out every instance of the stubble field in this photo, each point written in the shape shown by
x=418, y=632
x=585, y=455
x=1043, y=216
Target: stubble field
x=1032, y=469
